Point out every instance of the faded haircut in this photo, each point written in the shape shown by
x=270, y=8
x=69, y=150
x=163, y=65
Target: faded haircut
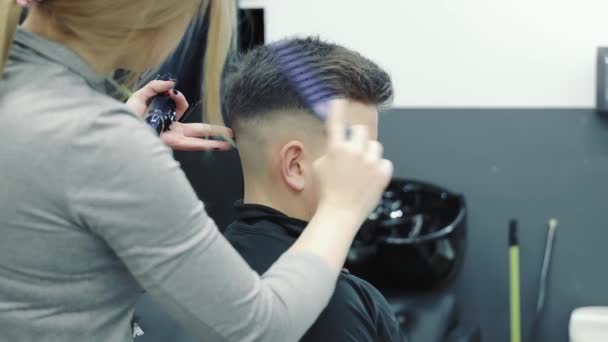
x=256, y=86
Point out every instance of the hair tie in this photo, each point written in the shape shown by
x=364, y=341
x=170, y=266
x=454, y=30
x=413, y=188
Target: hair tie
x=27, y=3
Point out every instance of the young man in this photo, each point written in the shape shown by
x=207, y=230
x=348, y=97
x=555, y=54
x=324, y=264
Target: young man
x=278, y=141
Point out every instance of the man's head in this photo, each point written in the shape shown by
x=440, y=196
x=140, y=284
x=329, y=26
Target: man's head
x=278, y=138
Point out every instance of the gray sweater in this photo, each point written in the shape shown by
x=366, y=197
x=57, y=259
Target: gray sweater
x=94, y=210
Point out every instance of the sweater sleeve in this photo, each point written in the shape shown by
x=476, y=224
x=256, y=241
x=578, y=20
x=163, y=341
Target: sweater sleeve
x=126, y=188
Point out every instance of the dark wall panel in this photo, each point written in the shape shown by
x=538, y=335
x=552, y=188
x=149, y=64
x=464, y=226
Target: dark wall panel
x=524, y=164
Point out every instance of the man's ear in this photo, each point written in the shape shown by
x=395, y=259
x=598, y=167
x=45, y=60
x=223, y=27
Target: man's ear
x=291, y=165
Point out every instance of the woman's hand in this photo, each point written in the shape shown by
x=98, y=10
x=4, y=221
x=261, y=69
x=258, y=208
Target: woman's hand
x=352, y=174
x=180, y=136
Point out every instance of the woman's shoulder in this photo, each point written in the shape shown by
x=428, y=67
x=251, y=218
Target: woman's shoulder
x=70, y=116
x=52, y=108
x=62, y=97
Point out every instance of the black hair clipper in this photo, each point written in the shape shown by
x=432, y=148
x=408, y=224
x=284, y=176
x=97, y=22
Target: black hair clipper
x=161, y=113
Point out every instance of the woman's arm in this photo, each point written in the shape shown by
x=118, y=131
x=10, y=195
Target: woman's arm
x=127, y=188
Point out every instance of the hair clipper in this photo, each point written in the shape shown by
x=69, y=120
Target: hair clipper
x=161, y=113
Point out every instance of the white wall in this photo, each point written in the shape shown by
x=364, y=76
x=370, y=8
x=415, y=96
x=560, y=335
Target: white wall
x=463, y=53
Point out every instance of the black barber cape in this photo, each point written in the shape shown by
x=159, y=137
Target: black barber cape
x=356, y=312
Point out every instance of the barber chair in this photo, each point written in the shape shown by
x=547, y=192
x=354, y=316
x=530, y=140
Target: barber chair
x=411, y=248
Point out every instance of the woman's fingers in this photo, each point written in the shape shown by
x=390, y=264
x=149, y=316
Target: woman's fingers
x=195, y=144
x=138, y=102
x=181, y=104
x=359, y=136
x=335, y=125
x=188, y=137
x=140, y=99
x=205, y=130
x=375, y=149
x=152, y=89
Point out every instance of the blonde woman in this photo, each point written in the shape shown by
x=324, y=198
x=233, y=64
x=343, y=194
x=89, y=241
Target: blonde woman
x=94, y=209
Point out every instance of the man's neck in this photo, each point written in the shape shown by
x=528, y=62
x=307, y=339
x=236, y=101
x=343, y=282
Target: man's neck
x=256, y=193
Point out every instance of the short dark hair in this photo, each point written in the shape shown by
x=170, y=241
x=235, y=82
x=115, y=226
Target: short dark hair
x=256, y=84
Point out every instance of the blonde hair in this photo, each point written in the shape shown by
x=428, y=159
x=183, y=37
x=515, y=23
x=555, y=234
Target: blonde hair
x=9, y=12
x=112, y=24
